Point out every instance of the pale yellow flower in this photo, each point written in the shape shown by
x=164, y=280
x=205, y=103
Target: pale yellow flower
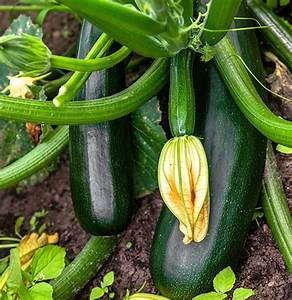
x=184, y=185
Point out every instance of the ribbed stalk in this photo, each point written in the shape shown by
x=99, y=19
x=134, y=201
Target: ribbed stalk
x=246, y=96
x=276, y=209
x=83, y=267
x=38, y=158
x=89, y=112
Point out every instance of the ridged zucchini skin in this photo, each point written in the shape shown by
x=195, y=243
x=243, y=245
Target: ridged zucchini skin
x=236, y=154
x=99, y=156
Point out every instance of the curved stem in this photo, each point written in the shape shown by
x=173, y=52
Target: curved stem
x=246, y=96
x=89, y=65
x=54, y=85
x=69, y=90
x=83, y=268
x=91, y=111
x=7, y=238
x=36, y=159
x=25, y=8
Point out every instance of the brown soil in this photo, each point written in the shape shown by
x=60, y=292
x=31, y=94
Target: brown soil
x=261, y=266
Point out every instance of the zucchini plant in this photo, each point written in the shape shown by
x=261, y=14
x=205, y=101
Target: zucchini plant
x=209, y=172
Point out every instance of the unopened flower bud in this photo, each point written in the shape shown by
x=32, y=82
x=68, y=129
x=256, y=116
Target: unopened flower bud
x=25, y=53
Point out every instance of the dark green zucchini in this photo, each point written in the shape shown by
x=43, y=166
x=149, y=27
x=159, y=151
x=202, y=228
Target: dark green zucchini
x=278, y=35
x=236, y=153
x=99, y=156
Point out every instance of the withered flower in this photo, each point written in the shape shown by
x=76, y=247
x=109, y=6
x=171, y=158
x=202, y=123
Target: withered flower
x=184, y=185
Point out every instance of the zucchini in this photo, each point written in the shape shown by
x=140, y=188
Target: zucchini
x=236, y=153
x=99, y=157
x=278, y=35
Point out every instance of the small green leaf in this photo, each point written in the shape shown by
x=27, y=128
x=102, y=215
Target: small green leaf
x=24, y=294
x=224, y=280
x=242, y=294
x=111, y=295
x=18, y=224
x=41, y=291
x=48, y=263
x=15, y=278
x=96, y=293
x=109, y=278
x=210, y=296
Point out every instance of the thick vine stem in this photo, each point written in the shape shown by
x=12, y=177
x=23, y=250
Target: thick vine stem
x=27, y=8
x=276, y=209
x=36, y=159
x=246, y=96
x=89, y=65
x=91, y=111
x=83, y=267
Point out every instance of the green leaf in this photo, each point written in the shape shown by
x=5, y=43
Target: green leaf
x=210, y=296
x=224, y=280
x=14, y=280
x=24, y=294
x=148, y=140
x=41, y=291
x=242, y=294
x=18, y=224
x=111, y=295
x=96, y=293
x=48, y=263
x=24, y=24
x=109, y=278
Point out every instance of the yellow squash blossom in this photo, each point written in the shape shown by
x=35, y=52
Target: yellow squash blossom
x=184, y=185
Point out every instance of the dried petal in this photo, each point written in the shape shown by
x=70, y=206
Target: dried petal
x=184, y=185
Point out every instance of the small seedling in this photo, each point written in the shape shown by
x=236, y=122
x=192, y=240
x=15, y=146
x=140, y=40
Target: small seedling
x=104, y=288
x=258, y=214
x=223, y=283
x=129, y=245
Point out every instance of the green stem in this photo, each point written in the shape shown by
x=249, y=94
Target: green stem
x=89, y=65
x=276, y=209
x=83, y=268
x=53, y=86
x=36, y=159
x=7, y=238
x=69, y=90
x=25, y=8
x=219, y=17
x=7, y=246
x=246, y=96
x=89, y=111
